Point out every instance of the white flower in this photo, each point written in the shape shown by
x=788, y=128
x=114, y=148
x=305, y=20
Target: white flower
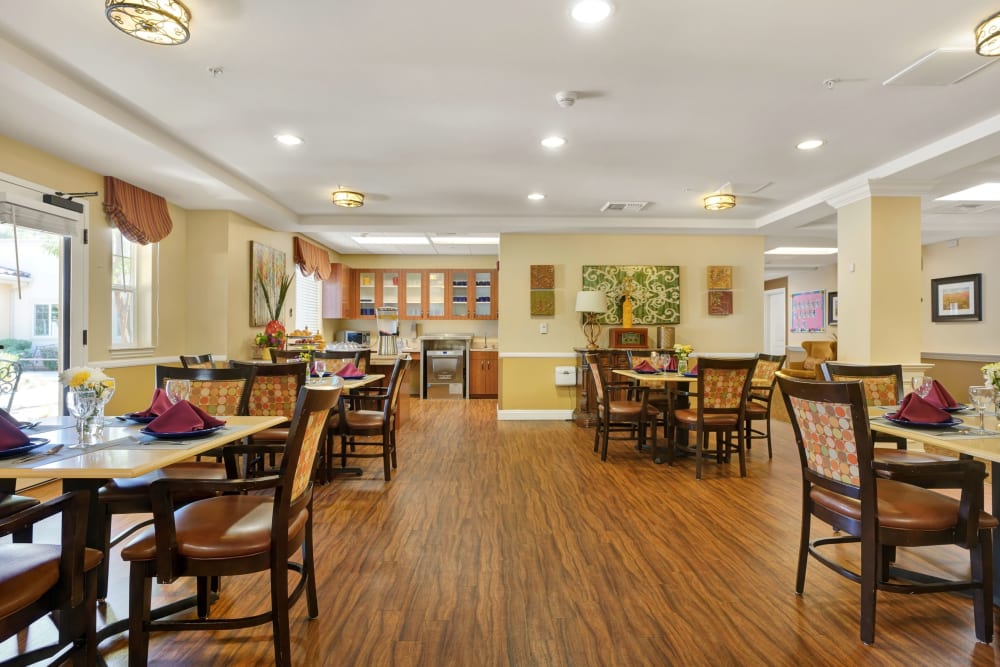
x=84, y=377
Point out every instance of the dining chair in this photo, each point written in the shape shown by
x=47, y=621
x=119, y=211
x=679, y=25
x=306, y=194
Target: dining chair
x=723, y=387
x=759, y=400
x=240, y=526
x=10, y=377
x=659, y=394
x=368, y=419
x=360, y=358
x=197, y=361
x=842, y=488
x=217, y=391
x=883, y=386
x=622, y=407
x=274, y=391
x=284, y=356
x=56, y=580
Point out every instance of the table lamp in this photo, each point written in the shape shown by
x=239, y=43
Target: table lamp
x=590, y=303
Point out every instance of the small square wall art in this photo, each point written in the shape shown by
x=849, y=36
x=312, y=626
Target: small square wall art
x=543, y=302
x=720, y=302
x=720, y=277
x=543, y=276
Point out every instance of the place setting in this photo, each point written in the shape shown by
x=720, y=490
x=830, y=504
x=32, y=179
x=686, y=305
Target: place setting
x=170, y=416
x=930, y=406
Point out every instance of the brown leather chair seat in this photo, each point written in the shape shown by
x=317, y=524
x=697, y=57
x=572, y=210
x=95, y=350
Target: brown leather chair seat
x=28, y=571
x=690, y=416
x=630, y=409
x=204, y=529
x=137, y=488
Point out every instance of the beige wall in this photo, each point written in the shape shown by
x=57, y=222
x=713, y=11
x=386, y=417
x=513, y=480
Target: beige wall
x=537, y=353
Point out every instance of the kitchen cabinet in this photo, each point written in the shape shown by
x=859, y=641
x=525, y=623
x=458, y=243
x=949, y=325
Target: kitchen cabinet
x=484, y=376
x=426, y=294
x=338, y=293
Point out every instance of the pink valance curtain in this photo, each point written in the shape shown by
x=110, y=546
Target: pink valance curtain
x=311, y=259
x=141, y=216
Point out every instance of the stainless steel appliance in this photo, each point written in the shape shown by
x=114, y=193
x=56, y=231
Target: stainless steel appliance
x=444, y=374
x=359, y=337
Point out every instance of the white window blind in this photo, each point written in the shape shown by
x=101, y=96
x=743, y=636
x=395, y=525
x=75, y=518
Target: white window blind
x=308, y=295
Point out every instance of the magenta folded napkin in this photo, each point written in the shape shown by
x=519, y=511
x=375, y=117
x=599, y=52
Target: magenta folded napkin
x=645, y=367
x=350, y=371
x=671, y=364
x=159, y=405
x=182, y=417
x=11, y=436
x=4, y=415
x=916, y=409
x=939, y=396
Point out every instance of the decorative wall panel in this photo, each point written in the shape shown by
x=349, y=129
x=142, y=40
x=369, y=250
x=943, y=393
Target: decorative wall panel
x=656, y=292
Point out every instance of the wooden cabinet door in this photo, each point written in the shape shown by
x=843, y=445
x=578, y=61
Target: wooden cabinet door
x=460, y=291
x=483, y=292
x=414, y=296
x=367, y=293
x=437, y=294
x=483, y=375
x=338, y=293
x=389, y=281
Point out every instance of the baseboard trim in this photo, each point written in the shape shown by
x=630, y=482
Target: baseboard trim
x=534, y=415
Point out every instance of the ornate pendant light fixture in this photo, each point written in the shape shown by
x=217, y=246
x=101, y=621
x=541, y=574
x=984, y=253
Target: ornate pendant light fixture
x=720, y=201
x=988, y=36
x=156, y=21
x=348, y=199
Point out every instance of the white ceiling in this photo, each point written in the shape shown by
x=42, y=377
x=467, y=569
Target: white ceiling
x=435, y=109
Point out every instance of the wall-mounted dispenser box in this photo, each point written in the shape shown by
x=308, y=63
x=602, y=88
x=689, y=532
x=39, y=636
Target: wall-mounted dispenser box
x=565, y=376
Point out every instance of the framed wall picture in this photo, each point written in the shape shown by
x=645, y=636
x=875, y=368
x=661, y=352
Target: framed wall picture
x=270, y=263
x=807, y=312
x=720, y=277
x=720, y=302
x=831, y=307
x=957, y=299
x=631, y=337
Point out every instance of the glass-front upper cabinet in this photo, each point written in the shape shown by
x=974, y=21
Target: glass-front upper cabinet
x=390, y=289
x=413, y=295
x=366, y=288
x=459, y=295
x=485, y=295
x=435, y=294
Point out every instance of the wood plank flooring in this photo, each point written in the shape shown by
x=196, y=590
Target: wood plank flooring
x=510, y=543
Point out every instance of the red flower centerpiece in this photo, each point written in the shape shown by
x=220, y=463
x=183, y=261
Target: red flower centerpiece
x=275, y=329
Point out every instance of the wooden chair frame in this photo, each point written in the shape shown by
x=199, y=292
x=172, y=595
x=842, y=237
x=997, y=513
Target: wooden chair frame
x=379, y=405
x=197, y=361
x=622, y=407
x=759, y=400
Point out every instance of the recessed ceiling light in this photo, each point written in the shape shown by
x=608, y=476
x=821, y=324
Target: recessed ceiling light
x=288, y=139
x=536, y=196
x=981, y=192
x=553, y=142
x=466, y=240
x=800, y=251
x=592, y=11
x=391, y=240
x=809, y=144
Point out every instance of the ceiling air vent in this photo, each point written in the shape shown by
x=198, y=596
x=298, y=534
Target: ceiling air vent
x=625, y=206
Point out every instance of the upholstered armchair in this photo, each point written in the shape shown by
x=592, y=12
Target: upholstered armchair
x=817, y=351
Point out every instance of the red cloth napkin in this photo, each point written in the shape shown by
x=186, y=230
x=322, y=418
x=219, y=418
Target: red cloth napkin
x=645, y=367
x=916, y=409
x=350, y=371
x=939, y=396
x=159, y=405
x=671, y=364
x=182, y=417
x=10, y=435
x=4, y=415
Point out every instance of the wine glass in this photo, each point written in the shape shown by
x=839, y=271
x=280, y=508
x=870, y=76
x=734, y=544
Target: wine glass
x=177, y=390
x=319, y=367
x=81, y=404
x=922, y=385
x=982, y=397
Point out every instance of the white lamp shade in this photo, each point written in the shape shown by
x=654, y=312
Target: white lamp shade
x=591, y=302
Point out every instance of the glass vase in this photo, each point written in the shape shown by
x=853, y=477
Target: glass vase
x=682, y=364
x=95, y=424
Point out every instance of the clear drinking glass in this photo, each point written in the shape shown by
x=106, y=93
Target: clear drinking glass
x=982, y=397
x=922, y=385
x=178, y=390
x=81, y=404
x=319, y=367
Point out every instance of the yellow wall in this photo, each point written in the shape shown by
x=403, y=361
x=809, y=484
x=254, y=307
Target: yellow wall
x=519, y=332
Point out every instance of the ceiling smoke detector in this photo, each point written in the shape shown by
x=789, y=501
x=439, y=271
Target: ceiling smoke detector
x=566, y=98
x=624, y=206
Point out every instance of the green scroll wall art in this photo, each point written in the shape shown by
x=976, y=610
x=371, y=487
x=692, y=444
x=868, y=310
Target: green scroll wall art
x=656, y=292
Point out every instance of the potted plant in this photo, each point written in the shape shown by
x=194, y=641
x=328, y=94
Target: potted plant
x=275, y=303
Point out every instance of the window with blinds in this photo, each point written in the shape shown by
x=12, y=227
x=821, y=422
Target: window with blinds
x=308, y=302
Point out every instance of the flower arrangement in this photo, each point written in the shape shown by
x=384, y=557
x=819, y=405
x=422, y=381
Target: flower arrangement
x=270, y=339
x=682, y=350
x=84, y=377
x=275, y=305
x=991, y=374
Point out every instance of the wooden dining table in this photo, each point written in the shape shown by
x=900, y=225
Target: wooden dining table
x=963, y=440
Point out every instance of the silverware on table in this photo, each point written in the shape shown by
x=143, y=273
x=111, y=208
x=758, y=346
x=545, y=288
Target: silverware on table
x=39, y=455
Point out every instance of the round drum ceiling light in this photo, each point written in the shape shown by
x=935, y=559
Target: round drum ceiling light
x=348, y=199
x=719, y=202
x=155, y=21
x=988, y=36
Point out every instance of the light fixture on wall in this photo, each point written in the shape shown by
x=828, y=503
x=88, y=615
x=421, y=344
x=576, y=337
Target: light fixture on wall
x=988, y=36
x=719, y=201
x=156, y=21
x=591, y=303
x=348, y=199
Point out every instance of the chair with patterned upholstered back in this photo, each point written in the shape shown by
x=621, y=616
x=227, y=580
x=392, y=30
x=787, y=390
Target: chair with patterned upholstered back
x=197, y=361
x=240, y=526
x=723, y=385
x=217, y=391
x=274, y=392
x=622, y=407
x=758, y=406
x=336, y=359
x=843, y=486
